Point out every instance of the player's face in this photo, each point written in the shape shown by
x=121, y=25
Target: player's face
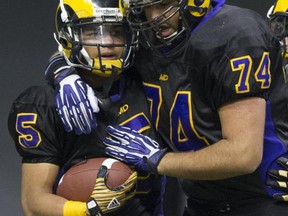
x=102, y=43
x=279, y=26
x=105, y=41
x=158, y=13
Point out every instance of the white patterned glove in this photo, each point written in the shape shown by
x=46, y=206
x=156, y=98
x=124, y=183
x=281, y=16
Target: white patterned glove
x=133, y=148
x=76, y=103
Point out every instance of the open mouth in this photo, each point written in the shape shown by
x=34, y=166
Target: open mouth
x=165, y=31
x=108, y=55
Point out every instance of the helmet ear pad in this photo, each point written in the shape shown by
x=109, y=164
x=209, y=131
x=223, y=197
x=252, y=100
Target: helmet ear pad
x=198, y=8
x=64, y=43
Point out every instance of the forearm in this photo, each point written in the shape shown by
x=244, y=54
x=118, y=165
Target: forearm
x=218, y=161
x=53, y=205
x=44, y=204
x=238, y=153
x=37, y=191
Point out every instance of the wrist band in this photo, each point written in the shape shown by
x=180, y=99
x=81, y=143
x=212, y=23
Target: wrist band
x=74, y=208
x=93, y=208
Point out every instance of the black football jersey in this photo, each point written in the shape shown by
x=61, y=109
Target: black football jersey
x=40, y=137
x=229, y=56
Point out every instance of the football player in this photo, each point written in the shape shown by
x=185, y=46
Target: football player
x=94, y=37
x=212, y=74
x=278, y=21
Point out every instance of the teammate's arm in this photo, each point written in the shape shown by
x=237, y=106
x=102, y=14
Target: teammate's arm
x=75, y=99
x=238, y=153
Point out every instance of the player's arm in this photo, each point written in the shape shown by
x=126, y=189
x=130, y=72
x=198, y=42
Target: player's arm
x=37, y=190
x=38, y=198
x=238, y=153
x=75, y=99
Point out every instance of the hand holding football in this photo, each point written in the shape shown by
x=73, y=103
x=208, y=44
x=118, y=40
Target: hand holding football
x=78, y=182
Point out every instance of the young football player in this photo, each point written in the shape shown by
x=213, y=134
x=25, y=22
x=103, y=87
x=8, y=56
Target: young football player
x=278, y=21
x=94, y=37
x=213, y=76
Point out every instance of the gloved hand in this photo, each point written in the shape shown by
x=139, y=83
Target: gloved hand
x=76, y=102
x=104, y=199
x=279, y=179
x=134, y=148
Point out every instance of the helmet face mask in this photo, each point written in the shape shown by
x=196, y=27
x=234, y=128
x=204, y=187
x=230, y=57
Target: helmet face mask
x=102, y=48
x=94, y=35
x=152, y=32
x=278, y=21
x=163, y=23
x=279, y=25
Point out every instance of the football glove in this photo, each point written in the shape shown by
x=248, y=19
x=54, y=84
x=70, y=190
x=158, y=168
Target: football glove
x=76, y=103
x=279, y=179
x=133, y=148
x=105, y=199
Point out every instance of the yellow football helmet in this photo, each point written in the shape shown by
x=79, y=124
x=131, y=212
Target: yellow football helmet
x=97, y=24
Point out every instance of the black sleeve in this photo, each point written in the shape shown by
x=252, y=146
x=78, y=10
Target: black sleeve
x=238, y=59
x=35, y=127
x=57, y=67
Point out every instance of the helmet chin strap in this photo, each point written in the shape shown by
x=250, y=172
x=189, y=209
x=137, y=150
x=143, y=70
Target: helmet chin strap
x=86, y=57
x=179, y=31
x=168, y=37
x=173, y=37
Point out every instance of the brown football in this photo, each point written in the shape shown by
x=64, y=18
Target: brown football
x=78, y=182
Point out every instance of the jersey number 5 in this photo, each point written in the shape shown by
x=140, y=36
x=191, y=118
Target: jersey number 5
x=29, y=137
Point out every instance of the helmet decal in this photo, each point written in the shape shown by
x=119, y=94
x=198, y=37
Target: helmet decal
x=198, y=8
